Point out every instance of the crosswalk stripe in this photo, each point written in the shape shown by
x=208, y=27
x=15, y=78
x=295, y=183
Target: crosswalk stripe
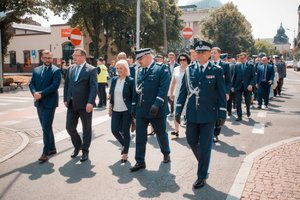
x=258, y=128
x=64, y=134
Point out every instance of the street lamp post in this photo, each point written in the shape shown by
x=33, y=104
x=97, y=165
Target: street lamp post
x=3, y=15
x=138, y=18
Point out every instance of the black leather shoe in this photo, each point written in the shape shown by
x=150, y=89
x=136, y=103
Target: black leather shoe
x=238, y=119
x=75, y=153
x=52, y=152
x=175, y=133
x=248, y=114
x=167, y=158
x=259, y=107
x=138, y=166
x=199, y=183
x=85, y=156
x=216, y=139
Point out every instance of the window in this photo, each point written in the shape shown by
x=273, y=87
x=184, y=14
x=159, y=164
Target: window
x=27, y=61
x=13, y=59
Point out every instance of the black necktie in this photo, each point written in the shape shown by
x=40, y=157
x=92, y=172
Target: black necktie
x=264, y=75
x=44, y=71
x=145, y=70
x=201, y=69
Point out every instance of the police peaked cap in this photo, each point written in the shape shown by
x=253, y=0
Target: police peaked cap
x=142, y=52
x=202, y=46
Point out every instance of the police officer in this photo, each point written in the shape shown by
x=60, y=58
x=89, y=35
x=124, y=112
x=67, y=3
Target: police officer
x=152, y=84
x=215, y=59
x=203, y=86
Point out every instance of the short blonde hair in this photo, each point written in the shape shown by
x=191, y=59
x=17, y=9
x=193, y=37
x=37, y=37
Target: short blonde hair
x=125, y=64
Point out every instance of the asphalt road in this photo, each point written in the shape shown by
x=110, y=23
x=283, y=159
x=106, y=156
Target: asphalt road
x=103, y=177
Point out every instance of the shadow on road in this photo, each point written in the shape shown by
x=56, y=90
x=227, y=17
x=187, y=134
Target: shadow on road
x=231, y=151
x=76, y=171
x=207, y=193
x=122, y=172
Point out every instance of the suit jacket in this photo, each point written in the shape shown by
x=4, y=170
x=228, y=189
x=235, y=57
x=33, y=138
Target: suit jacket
x=48, y=85
x=82, y=91
x=270, y=73
x=155, y=85
x=128, y=91
x=241, y=79
x=211, y=104
x=227, y=75
x=281, y=69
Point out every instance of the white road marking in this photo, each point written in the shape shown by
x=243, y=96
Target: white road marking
x=7, y=123
x=64, y=134
x=23, y=98
x=258, y=128
x=13, y=100
x=262, y=114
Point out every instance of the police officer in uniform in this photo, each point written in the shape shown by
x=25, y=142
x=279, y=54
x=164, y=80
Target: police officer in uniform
x=215, y=59
x=152, y=84
x=203, y=86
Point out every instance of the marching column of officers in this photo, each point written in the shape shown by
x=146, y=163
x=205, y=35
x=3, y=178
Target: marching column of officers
x=139, y=95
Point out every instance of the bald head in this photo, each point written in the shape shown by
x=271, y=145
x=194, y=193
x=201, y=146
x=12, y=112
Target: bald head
x=122, y=56
x=264, y=60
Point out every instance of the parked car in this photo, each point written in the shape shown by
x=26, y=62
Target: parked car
x=297, y=66
x=289, y=64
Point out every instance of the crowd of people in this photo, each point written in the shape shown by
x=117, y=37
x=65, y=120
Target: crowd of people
x=198, y=89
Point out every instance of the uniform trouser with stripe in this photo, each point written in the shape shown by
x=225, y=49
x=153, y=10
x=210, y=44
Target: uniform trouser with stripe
x=159, y=126
x=199, y=137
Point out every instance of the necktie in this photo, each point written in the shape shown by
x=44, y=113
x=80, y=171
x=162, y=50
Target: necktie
x=264, y=75
x=76, y=73
x=145, y=70
x=243, y=67
x=215, y=63
x=201, y=69
x=44, y=71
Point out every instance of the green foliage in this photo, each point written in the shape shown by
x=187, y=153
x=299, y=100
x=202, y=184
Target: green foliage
x=117, y=19
x=20, y=8
x=228, y=29
x=264, y=46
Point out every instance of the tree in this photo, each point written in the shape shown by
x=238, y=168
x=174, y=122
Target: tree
x=20, y=8
x=263, y=46
x=228, y=29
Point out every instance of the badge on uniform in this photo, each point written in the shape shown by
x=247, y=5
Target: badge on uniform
x=210, y=76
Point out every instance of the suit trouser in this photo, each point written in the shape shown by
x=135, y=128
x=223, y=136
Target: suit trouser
x=120, y=127
x=159, y=126
x=238, y=99
x=102, y=94
x=230, y=101
x=279, y=85
x=46, y=116
x=263, y=93
x=71, y=126
x=199, y=137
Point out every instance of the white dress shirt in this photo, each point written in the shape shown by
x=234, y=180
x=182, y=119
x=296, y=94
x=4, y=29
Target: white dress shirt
x=119, y=104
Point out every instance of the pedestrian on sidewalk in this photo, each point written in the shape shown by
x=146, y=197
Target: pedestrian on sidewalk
x=80, y=91
x=44, y=86
x=203, y=87
x=122, y=92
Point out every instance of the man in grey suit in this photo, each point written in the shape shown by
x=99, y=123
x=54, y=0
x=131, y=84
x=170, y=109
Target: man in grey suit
x=80, y=91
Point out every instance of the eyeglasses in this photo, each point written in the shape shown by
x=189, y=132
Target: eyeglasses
x=182, y=59
x=47, y=58
x=76, y=55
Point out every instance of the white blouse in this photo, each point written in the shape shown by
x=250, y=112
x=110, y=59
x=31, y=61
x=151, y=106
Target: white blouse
x=119, y=104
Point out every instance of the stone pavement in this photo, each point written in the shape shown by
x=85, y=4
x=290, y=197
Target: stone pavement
x=11, y=143
x=275, y=174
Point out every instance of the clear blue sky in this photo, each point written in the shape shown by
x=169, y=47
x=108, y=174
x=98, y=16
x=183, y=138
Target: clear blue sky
x=265, y=16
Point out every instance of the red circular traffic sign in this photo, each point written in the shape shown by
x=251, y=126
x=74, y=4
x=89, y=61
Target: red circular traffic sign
x=75, y=36
x=187, y=33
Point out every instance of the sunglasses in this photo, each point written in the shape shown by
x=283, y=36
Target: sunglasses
x=182, y=59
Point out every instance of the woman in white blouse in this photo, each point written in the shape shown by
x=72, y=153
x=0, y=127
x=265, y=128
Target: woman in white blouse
x=122, y=93
x=184, y=60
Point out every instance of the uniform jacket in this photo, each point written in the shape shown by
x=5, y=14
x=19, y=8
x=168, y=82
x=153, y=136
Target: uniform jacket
x=48, y=85
x=281, y=69
x=211, y=104
x=128, y=91
x=270, y=73
x=155, y=85
x=241, y=79
x=82, y=91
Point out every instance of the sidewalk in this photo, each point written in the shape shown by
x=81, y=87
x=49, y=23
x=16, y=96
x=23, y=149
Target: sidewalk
x=275, y=174
x=11, y=143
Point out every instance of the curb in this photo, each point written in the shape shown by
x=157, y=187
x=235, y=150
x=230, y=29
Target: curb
x=238, y=185
x=24, y=143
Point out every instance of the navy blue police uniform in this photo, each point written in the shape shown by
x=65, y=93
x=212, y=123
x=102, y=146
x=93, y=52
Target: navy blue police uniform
x=205, y=93
x=151, y=88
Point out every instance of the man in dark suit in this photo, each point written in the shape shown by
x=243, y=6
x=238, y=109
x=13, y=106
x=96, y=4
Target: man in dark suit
x=243, y=81
x=265, y=77
x=152, y=84
x=80, y=91
x=44, y=86
x=281, y=70
x=215, y=59
x=204, y=89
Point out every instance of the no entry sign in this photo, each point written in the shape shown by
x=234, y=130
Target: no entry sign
x=187, y=33
x=75, y=36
